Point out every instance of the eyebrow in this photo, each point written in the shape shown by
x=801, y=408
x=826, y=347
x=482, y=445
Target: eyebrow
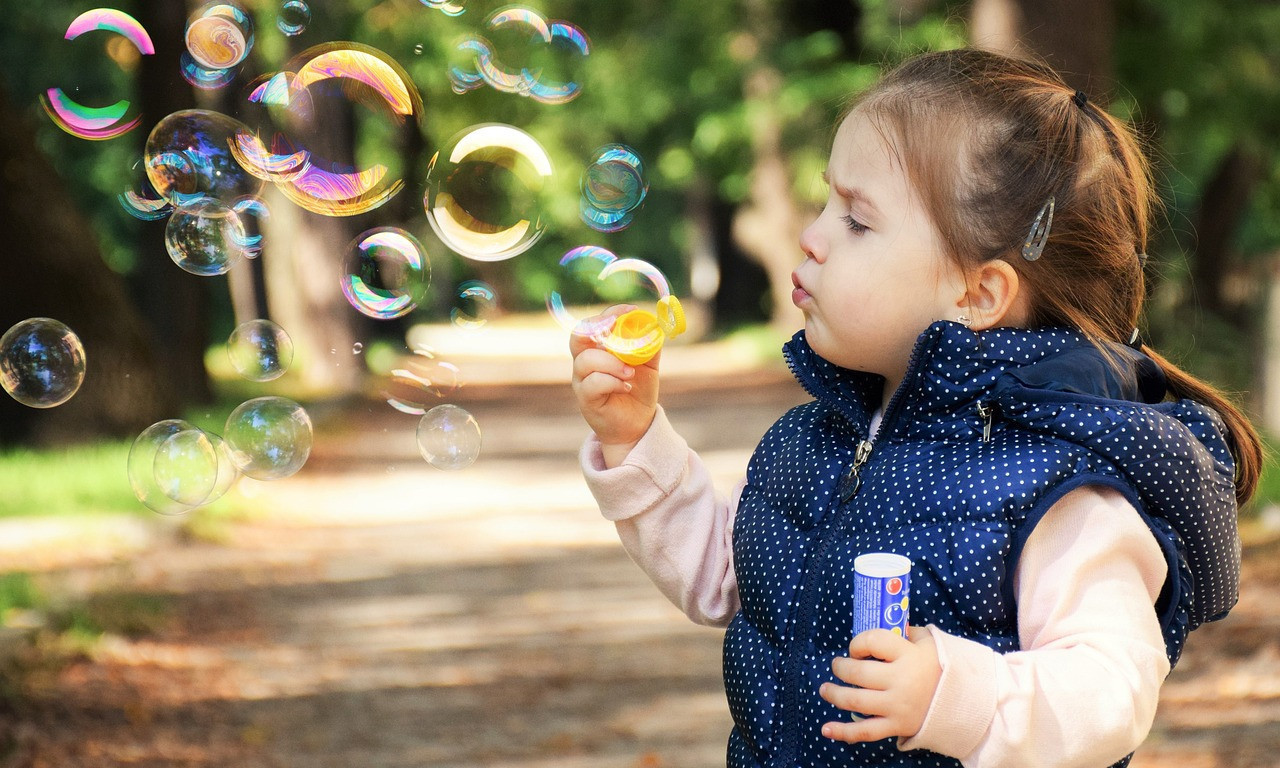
x=853, y=194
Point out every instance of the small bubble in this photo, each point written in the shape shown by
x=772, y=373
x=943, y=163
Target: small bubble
x=357, y=348
x=418, y=49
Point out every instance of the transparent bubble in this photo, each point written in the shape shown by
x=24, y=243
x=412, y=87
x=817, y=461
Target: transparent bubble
x=449, y=437
x=474, y=303
x=108, y=121
x=260, y=350
x=385, y=273
x=294, y=17
x=484, y=192
x=357, y=348
x=228, y=472
x=142, y=467
x=252, y=212
x=219, y=36
x=638, y=334
x=269, y=437
x=421, y=380
x=188, y=158
x=447, y=7
x=186, y=467
x=359, y=75
x=417, y=49
x=613, y=187
x=42, y=362
x=204, y=238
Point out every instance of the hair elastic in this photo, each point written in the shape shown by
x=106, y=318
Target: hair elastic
x=1080, y=99
x=1033, y=247
x=1135, y=340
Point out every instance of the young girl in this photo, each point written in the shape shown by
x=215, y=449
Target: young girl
x=982, y=405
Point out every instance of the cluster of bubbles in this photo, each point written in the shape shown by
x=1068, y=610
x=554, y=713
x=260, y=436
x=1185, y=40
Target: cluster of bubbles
x=484, y=199
x=515, y=56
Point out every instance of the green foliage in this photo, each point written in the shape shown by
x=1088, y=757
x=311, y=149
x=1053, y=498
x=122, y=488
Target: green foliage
x=88, y=479
x=17, y=592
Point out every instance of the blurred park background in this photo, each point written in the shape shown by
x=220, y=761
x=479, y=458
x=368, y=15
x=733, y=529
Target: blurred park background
x=373, y=610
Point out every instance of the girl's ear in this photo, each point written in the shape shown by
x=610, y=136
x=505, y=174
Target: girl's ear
x=995, y=296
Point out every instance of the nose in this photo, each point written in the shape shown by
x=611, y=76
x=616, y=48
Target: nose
x=811, y=242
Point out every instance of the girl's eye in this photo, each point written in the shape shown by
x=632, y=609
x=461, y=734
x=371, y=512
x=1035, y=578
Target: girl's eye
x=855, y=226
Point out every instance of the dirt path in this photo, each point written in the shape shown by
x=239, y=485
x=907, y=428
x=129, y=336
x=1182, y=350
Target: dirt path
x=387, y=614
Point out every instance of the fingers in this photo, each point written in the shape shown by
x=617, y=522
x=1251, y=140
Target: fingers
x=865, y=673
x=871, y=729
x=878, y=644
x=598, y=361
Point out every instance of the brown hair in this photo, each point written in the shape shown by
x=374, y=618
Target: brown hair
x=1024, y=136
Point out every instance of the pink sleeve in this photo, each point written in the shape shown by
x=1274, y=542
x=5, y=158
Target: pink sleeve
x=670, y=520
x=1083, y=690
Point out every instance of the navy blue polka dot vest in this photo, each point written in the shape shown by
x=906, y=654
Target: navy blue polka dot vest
x=985, y=433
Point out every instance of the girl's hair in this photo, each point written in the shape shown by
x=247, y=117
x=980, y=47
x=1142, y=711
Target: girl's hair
x=1024, y=136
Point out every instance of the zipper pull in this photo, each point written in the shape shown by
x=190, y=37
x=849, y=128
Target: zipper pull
x=851, y=482
x=988, y=414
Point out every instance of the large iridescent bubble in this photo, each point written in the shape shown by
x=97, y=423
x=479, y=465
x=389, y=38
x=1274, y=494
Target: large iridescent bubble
x=281, y=149
x=524, y=65
x=42, y=362
x=104, y=122
x=485, y=192
x=189, y=159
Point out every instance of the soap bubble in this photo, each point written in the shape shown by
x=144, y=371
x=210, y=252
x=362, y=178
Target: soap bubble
x=294, y=17
x=484, y=192
x=185, y=467
x=447, y=7
x=42, y=362
x=260, y=350
x=420, y=381
x=204, y=238
x=219, y=36
x=142, y=467
x=613, y=187
x=357, y=74
x=449, y=437
x=385, y=273
x=106, y=122
x=189, y=159
x=475, y=304
x=269, y=437
x=577, y=296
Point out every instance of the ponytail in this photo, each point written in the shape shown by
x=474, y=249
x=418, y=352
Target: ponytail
x=1246, y=446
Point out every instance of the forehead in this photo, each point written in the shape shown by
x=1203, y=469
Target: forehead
x=864, y=155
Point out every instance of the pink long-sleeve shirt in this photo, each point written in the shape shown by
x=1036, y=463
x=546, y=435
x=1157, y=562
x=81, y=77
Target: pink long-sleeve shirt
x=1081, y=692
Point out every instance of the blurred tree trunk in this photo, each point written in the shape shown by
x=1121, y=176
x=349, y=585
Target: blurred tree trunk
x=53, y=268
x=1075, y=38
x=767, y=227
x=175, y=304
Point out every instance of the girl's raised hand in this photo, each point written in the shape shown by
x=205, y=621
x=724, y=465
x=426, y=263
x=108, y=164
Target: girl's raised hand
x=894, y=678
x=617, y=400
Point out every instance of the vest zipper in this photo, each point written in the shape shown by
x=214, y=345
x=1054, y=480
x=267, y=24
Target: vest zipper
x=988, y=414
x=851, y=482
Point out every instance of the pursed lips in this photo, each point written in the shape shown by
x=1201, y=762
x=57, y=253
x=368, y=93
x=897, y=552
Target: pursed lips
x=799, y=296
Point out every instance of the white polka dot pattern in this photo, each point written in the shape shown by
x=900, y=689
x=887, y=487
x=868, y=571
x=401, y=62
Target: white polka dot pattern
x=960, y=506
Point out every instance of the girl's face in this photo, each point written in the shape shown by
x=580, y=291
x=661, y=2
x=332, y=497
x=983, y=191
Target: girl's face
x=875, y=275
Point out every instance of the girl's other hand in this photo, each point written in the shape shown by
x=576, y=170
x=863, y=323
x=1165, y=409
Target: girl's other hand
x=895, y=680
x=617, y=400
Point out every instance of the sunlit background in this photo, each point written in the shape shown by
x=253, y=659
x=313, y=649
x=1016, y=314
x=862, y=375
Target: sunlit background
x=288, y=465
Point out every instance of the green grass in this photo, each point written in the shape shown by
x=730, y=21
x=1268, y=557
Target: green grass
x=86, y=479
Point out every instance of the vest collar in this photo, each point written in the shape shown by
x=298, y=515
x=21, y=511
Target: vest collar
x=952, y=367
